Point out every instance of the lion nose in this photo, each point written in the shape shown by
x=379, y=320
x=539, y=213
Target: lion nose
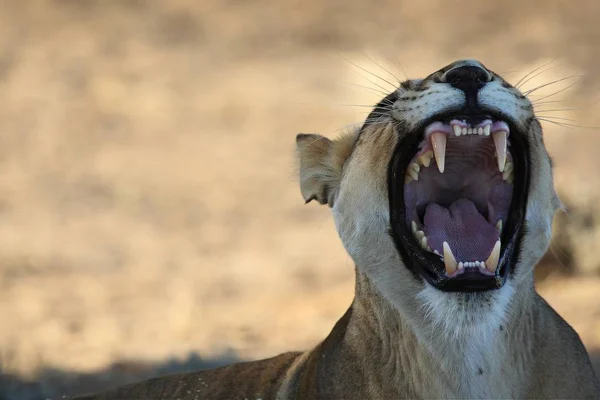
x=467, y=78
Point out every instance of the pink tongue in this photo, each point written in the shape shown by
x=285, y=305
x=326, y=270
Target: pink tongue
x=469, y=235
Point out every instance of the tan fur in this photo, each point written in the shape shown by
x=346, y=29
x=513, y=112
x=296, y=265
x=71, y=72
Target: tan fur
x=402, y=338
x=321, y=163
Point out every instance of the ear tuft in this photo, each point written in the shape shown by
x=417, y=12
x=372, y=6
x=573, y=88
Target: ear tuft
x=321, y=163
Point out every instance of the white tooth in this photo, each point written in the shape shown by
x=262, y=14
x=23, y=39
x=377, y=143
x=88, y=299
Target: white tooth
x=476, y=263
x=461, y=265
x=449, y=260
x=508, y=167
x=413, y=226
x=424, y=243
x=482, y=265
x=425, y=158
x=414, y=166
x=428, y=248
x=510, y=179
x=413, y=174
x=486, y=130
x=457, y=130
x=464, y=131
x=480, y=131
x=499, y=226
x=438, y=141
x=500, y=142
x=469, y=131
x=419, y=235
x=507, y=174
x=492, y=261
x=436, y=252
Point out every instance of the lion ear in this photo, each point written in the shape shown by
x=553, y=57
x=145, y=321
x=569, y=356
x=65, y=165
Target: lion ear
x=321, y=163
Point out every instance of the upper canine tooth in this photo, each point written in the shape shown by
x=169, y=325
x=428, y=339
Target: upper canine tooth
x=449, y=260
x=425, y=158
x=500, y=143
x=438, y=141
x=492, y=262
x=486, y=130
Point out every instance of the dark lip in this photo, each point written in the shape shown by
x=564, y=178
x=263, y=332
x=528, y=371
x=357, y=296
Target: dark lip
x=428, y=266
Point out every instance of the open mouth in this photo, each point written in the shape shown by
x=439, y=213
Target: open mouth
x=457, y=200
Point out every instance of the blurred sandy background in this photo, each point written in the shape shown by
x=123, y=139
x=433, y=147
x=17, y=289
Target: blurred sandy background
x=150, y=218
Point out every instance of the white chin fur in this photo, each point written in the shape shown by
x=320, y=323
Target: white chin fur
x=474, y=315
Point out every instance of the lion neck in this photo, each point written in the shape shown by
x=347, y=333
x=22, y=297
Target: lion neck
x=398, y=357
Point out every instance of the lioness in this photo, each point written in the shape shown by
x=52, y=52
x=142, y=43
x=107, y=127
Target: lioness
x=444, y=199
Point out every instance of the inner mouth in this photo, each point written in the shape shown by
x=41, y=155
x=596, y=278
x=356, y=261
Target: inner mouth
x=458, y=190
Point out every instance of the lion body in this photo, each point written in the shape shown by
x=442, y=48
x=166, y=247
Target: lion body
x=402, y=338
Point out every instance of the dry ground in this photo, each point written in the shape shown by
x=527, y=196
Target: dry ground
x=150, y=219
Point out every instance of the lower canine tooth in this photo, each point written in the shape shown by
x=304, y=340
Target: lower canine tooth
x=438, y=141
x=449, y=260
x=492, y=262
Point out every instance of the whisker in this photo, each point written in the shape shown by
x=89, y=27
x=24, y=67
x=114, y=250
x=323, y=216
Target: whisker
x=559, y=91
x=379, y=92
x=537, y=69
x=537, y=74
x=559, y=118
x=527, y=93
x=402, y=68
x=559, y=109
x=565, y=125
x=537, y=103
x=369, y=72
x=383, y=68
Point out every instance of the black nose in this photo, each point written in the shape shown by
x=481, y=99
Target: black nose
x=467, y=78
